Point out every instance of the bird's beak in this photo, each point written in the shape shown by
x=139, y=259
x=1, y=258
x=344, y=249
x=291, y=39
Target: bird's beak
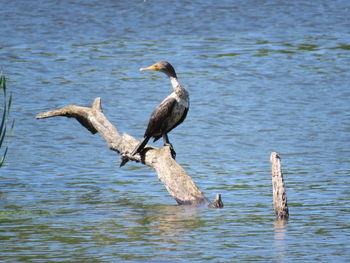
x=153, y=67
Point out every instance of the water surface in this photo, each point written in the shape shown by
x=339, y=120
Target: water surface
x=262, y=77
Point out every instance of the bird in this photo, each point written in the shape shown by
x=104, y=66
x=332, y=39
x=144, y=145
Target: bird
x=171, y=112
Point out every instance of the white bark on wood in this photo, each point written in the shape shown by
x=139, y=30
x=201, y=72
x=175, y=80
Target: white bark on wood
x=279, y=191
x=178, y=183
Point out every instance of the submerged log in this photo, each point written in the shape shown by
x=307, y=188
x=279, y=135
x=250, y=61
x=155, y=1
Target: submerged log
x=177, y=182
x=279, y=191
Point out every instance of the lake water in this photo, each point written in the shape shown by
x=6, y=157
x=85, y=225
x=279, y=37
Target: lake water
x=263, y=76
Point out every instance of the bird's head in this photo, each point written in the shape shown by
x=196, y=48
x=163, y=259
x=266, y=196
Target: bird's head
x=162, y=66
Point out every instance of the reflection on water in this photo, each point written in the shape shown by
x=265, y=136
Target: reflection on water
x=280, y=242
x=262, y=77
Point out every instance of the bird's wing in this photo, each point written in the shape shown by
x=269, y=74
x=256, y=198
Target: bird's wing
x=183, y=117
x=158, y=117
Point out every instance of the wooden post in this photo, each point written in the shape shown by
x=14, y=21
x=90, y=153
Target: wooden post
x=279, y=191
x=178, y=183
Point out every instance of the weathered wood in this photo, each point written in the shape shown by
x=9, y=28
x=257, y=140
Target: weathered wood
x=279, y=191
x=178, y=183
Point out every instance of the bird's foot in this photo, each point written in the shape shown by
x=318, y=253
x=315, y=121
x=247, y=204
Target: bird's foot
x=173, y=153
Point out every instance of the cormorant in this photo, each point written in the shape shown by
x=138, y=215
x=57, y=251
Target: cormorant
x=169, y=113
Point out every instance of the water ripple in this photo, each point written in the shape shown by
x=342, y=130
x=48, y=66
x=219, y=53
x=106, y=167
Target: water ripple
x=262, y=77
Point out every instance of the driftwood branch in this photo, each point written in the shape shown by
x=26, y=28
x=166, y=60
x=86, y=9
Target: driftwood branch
x=279, y=191
x=178, y=183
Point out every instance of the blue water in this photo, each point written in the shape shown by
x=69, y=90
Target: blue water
x=262, y=76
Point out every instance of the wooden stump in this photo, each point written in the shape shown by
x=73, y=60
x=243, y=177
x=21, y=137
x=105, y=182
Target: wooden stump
x=279, y=191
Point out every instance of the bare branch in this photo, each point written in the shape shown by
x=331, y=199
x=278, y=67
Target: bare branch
x=178, y=183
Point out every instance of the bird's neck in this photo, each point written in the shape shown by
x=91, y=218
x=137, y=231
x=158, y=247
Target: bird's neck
x=174, y=82
x=179, y=90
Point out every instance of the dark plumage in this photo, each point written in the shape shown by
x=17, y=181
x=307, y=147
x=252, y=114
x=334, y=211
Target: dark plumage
x=169, y=113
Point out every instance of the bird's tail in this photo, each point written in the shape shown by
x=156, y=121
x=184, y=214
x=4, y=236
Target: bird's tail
x=140, y=146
